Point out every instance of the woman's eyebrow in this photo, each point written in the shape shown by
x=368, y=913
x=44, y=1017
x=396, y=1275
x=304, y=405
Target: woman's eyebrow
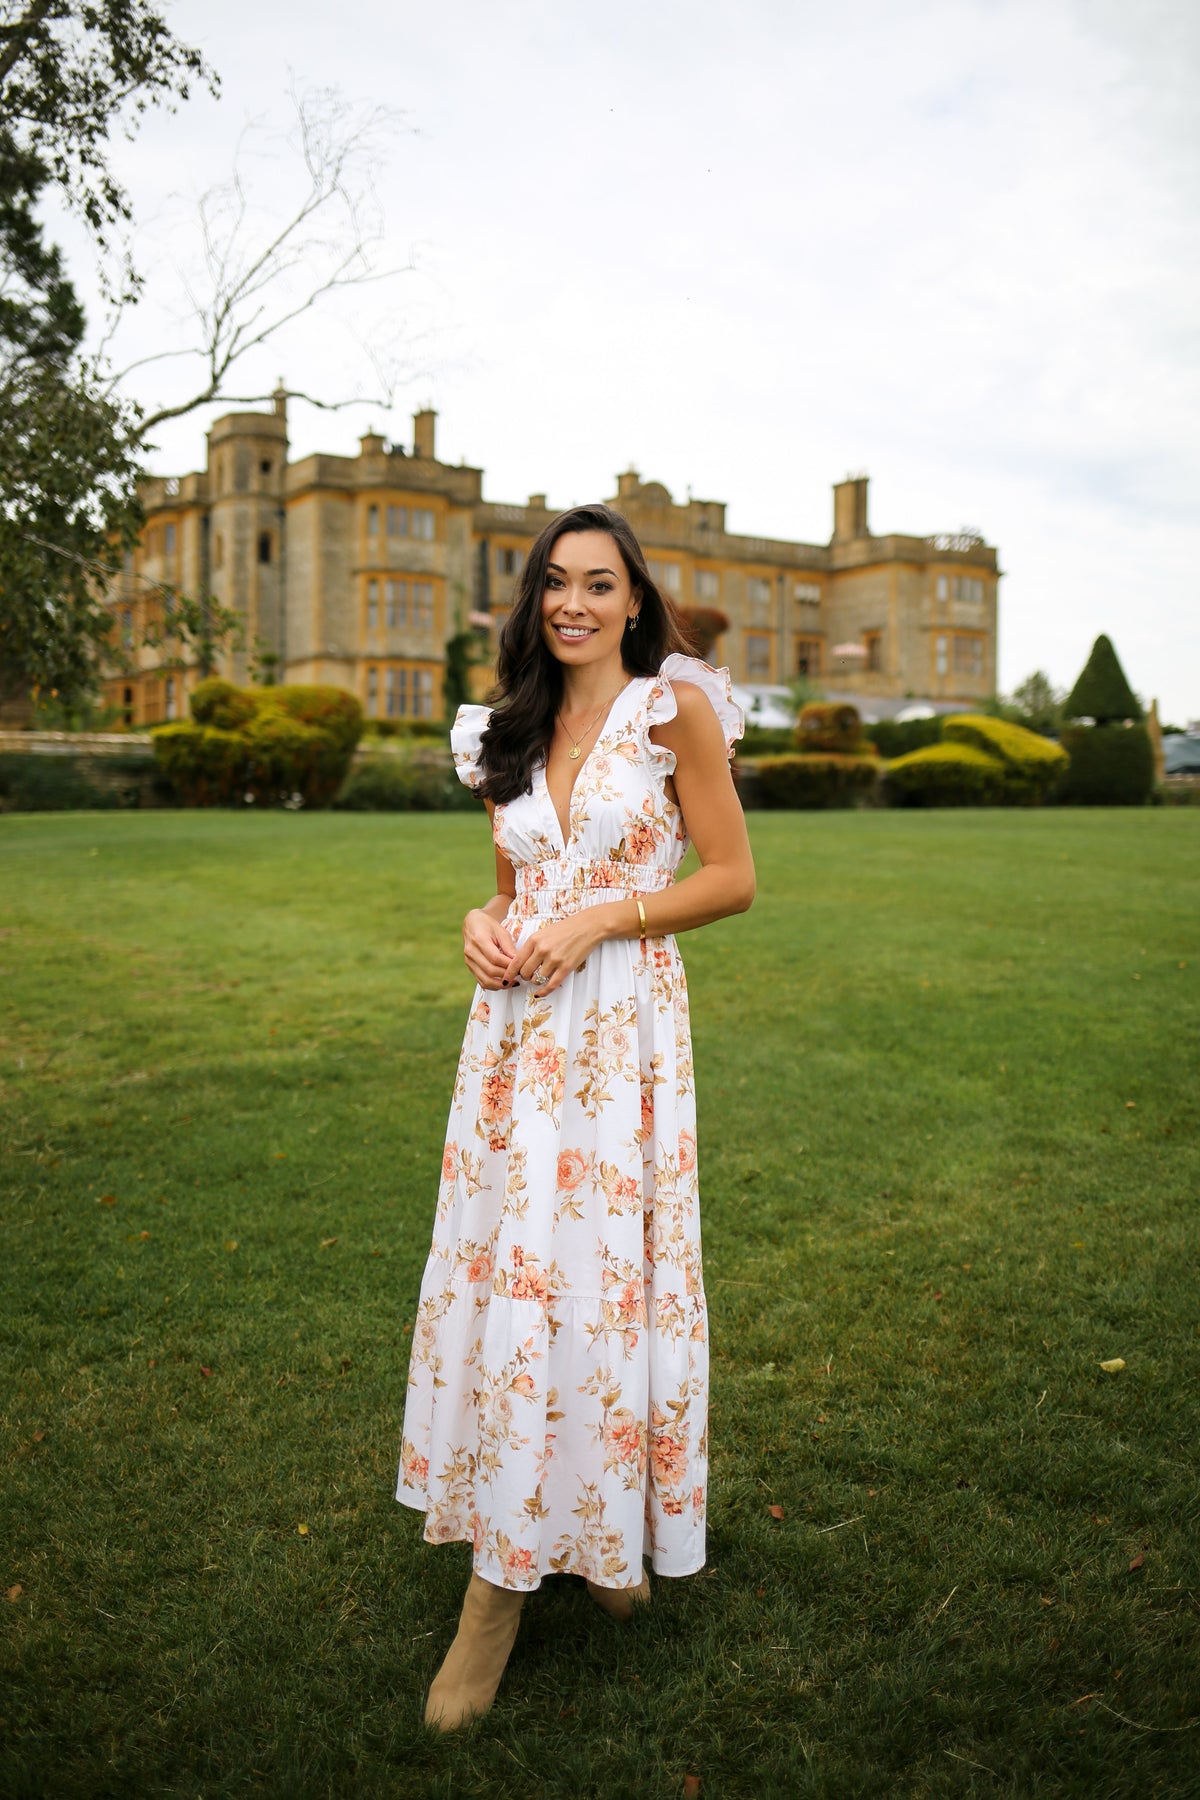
x=559, y=570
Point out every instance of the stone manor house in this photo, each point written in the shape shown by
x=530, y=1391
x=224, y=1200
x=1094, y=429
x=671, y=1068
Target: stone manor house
x=355, y=570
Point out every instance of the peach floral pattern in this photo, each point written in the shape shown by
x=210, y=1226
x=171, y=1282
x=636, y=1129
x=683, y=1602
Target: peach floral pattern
x=556, y=1416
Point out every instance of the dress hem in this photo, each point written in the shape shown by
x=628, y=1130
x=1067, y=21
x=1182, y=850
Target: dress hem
x=667, y=1574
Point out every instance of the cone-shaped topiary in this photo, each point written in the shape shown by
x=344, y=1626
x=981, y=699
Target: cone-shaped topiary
x=1102, y=692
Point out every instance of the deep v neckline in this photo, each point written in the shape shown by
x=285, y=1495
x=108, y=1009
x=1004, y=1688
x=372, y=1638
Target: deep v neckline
x=567, y=837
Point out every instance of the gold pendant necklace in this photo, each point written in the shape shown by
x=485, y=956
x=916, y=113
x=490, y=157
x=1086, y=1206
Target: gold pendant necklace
x=576, y=751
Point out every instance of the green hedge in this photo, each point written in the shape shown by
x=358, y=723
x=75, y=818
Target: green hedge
x=766, y=740
x=423, y=730
x=403, y=784
x=893, y=737
x=816, y=782
x=945, y=774
x=32, y=782
x=1032, y=765
x=278, y=745
x=1111, y=765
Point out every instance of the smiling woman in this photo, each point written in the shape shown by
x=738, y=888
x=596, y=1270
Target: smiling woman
x=558, y=1387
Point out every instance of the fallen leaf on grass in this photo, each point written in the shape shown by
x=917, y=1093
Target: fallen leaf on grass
x=137, y=1237
x=302, y=1531
x=1046, y=1601
x=1113, y=1365
x=107, y=1200
x=1136, y=1562
x=231, y=1243
x=346, y=1364
x=205, y=1371
x=281, y=1156
x=328, y=1243
x=15, y=1591
x=1129, y=1106
x=38, y=1435
x=691, y=1787
x=776, y=1512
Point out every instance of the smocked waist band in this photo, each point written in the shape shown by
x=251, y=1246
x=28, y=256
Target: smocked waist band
x=560, y=885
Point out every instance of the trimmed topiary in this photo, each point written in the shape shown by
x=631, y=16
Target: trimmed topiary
x=203, y=764
x=1102, y=692
x=1032, y=765
x=816, y=782
x=284, y=743
x=896, y=737
x=329, y=709
x=831, y=727
x=945, y=774
x=1111, y=765
x=219, y=703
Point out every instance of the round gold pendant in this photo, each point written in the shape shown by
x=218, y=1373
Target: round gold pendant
x=574, y=754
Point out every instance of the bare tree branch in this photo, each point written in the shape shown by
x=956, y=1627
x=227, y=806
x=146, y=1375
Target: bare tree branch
x=257, y=274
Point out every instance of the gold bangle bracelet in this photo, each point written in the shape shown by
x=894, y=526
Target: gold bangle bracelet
x=642, y=921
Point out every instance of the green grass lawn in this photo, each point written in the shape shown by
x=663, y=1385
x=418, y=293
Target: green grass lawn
x=948, y=1095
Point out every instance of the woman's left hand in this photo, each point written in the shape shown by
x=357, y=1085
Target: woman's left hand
x=553, y=952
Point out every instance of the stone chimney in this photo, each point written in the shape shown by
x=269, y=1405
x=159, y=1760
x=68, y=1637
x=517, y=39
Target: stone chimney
x=280, y=398
x=423, y=433
x=628, y=484
x=370, y=444
x=850, y=509
x=537, y=503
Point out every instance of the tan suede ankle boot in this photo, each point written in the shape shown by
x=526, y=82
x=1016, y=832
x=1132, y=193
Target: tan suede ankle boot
x=465, y=1685
x=621, y=1602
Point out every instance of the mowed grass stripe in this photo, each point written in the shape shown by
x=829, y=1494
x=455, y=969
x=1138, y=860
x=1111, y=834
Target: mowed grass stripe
x=948, y=1077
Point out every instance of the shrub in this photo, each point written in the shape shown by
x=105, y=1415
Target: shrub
x=830, y=726
x=219, y=703
x=285, y=757
x=945, y=774
x=1032, y=765
x=30, y=783
x=896, y=737
x=402, y=784
x=277, y=742
x=813, y=783
x=1102, y=692
x=204, y=765
x=330, y=709
x=766, y=740
x=422, y=730
x=1111, y=765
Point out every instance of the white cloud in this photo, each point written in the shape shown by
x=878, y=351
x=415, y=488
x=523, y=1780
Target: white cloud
x=750, y=245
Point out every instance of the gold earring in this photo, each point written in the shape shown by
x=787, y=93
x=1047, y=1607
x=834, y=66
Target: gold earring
x=632, y=622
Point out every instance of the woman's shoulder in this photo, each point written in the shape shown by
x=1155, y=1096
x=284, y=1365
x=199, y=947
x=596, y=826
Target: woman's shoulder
x=688, y=692
x=466, y=736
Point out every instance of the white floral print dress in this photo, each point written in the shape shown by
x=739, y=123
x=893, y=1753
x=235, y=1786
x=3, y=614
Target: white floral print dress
x=556, y=1414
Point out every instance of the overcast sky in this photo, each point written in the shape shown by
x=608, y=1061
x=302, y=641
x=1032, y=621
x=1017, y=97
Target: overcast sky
x=748, y=247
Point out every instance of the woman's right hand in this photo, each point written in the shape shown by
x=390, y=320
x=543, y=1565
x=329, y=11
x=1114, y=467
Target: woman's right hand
x=487, y=947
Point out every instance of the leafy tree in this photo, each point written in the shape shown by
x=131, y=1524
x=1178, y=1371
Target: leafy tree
x=703, y=625
x=460, y=658
x=68, y=446
x=71, y=72
x=1038, y=704
x=1102, y=692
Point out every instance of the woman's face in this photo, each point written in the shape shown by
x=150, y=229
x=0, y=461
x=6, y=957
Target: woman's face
x=587, y=599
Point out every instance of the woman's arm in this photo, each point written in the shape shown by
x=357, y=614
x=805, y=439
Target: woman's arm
x=716, y=824
x=487, y=947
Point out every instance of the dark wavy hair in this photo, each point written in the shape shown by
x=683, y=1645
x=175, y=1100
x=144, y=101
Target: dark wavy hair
x=529, y=684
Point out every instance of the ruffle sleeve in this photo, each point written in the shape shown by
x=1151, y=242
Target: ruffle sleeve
x=466, y=734
x=713, y=682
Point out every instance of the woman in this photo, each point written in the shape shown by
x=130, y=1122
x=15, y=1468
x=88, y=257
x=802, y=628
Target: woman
x=557, y=1404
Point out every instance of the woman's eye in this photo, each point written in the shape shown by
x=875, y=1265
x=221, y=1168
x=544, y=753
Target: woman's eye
x=552, y=581
x=602, y=587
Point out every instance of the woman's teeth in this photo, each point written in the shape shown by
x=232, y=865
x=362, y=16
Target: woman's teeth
x=574, y=631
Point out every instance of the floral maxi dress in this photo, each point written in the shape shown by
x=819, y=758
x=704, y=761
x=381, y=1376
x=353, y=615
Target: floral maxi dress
x=556, y=1414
